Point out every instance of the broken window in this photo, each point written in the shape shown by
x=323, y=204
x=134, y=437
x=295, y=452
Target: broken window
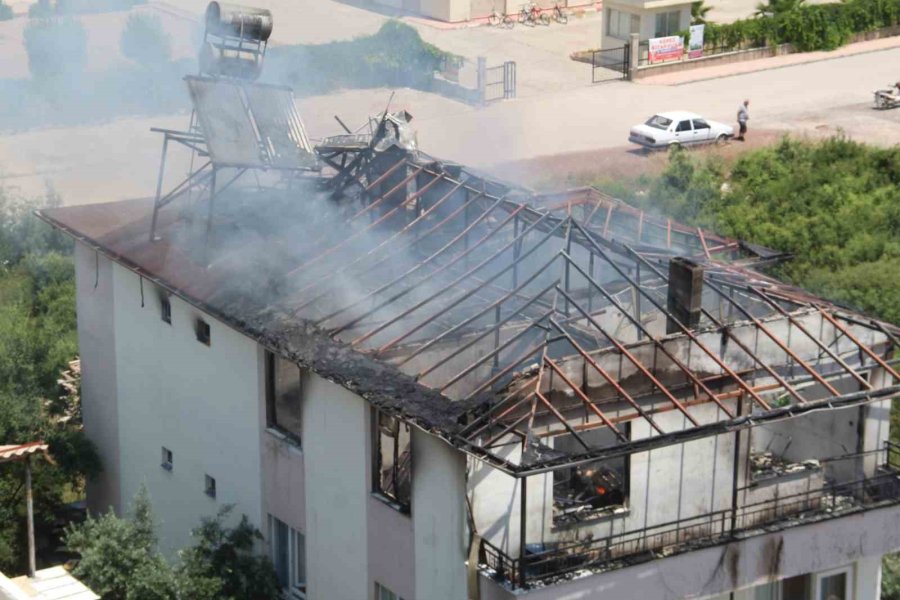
x=201, y=328
x=165, y=307
x=582, y=490
x=392, y=459
x=284, y=386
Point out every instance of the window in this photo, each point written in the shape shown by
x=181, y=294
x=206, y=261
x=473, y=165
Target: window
x=700, y=124
x=793, y=588
x=620, y=24
x=683, y=126
x=592, y=488
x=834, y=585
x=382, y=593
x=202, y=330
x=166, y=459
x=667, y=23
x=659, y=122
x=288, y=552
x=165, y=307
x=284, y=387
x=392, y=468
x=210, y=486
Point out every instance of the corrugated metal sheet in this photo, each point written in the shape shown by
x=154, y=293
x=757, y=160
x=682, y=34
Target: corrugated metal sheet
x=19, y=451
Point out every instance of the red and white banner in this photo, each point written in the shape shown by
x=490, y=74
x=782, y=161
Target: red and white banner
x=666, y=48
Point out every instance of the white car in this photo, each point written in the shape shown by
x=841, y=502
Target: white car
x=678, y=128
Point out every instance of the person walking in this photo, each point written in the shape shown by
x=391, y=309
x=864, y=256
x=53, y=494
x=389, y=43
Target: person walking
x=743, y=116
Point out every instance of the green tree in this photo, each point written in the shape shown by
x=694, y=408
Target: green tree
x=890, y=577
x=699, y=10
x=118, y=557
x=223, y=563
x=145, y=41
x=37, y=341
x=56, y=50
x=6, y=11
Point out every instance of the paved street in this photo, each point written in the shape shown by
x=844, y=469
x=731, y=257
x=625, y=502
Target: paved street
x=566, y=115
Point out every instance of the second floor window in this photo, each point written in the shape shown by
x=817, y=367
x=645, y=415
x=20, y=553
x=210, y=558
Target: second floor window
x=284, y=388
x=392, y=468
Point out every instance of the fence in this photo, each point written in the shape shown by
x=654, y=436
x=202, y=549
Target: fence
x=825, y=502
x=473, y=81
x=499, y=82
x=610, y=64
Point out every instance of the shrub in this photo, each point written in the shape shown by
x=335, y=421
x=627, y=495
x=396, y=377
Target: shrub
x=56, y=49
x=144, y=40
x=807, y=27
x=394, y=56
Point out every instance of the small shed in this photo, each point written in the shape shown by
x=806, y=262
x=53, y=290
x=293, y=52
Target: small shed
x=647, y=18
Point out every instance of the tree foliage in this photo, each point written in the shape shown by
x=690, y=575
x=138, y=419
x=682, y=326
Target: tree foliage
x=118, y=557
x=806, y=27
x=37, y=340
x=223, y=565
x=145, y=41
x=395, y=56
x=57, y=50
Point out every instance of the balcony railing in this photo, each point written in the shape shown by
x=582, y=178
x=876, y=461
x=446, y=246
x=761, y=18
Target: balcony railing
x=619, y=550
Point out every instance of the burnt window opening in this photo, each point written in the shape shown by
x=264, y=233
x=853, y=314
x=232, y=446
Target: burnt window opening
x=590, y=489
x=284, y=389
x=392, y=466
x=209, y=486
x=202, y=330
x=165, y=309
x=167, y=459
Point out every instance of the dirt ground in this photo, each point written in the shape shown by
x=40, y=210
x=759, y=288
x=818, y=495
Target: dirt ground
x=623, y=162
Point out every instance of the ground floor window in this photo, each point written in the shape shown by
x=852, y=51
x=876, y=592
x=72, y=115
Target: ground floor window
x=382, y=593
x=288, y=553
x=392, y=465
x=620, y=24
x=667, y=23
x=792, y=588
x=583, y=490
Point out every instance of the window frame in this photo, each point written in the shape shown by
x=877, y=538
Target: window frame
x=165, y=309
x=298, y=578
x=167, y=459
x=667, y=17
x=203, y=331
x=848, y=571
x=614, y=15
x=271, y=405
x=209, y=485
x=382, y=592
x=403, y=506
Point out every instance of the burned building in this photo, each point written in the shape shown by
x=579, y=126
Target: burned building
x=422, y=382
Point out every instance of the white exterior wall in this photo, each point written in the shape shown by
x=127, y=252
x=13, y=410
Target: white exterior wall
x=334, y=449
x=439, y=519
x=96, y=336
x=198, y=401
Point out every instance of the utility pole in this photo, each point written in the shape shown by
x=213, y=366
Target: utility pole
x=29, y=507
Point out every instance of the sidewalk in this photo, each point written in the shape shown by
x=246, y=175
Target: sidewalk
x=765, y=64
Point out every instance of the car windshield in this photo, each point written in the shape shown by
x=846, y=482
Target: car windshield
x=659, y=122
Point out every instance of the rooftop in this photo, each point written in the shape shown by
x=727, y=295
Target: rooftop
x=482, y=312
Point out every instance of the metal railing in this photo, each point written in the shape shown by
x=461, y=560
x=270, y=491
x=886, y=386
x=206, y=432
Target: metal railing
x=829, y=501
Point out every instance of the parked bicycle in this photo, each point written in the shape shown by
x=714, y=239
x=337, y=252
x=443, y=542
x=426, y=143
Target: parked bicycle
x=496, y=19
x=559, y=15
x=530, y=14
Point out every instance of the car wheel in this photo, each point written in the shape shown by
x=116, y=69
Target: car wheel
x=721, y=139
x=674, y=146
